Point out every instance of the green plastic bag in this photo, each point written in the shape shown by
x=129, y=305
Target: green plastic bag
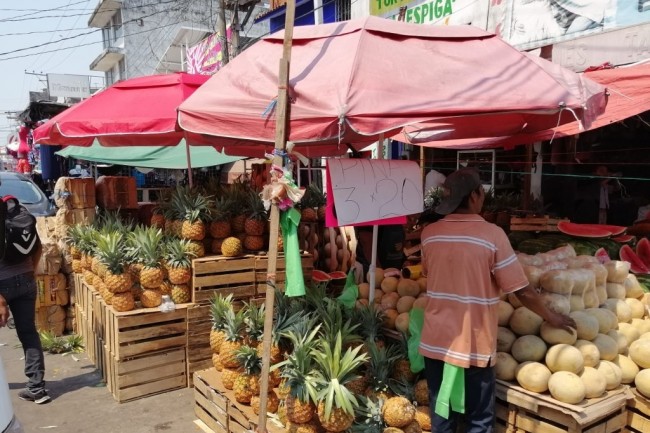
x=350, y=293
x=416, y=321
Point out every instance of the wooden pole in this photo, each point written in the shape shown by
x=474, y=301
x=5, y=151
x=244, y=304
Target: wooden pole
x=221, y=23
x=375, y=235
x=281, y=134
x=526, y=204
x=189, y=164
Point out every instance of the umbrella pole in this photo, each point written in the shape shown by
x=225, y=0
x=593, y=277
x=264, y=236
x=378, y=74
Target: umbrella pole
x=375, y=235
x=189, y=164
x=281, y=133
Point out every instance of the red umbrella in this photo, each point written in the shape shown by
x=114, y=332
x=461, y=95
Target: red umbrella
x=352, y=81
x=139, y=111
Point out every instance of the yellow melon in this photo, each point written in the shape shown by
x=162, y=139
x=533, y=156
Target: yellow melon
x=422, y=282
x=553, y=335
x=402, y=322
x=637, y=307
x=564, y=357
x=389, y=284
x=421, y=302
x=505, y=366
x=505, y=311
x=607, y=346
x=620, y=339
x=390, y=316
x=642, y=382
x=524, y=322
x=379, y=277
x=533, y=376
x=631, y=333
x=389, y=301
x=566, y=387
x=364, y=290
x=587, y=326
x=612, y=373
x=594, y=382
x=408, y=287
x=589, y=351
x=528, y=348
x=405, y=304
x=628, y=368
x=640, y=352
x=620, y=308
x=505, y=338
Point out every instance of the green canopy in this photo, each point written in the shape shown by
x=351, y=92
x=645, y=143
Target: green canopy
x=172, y=157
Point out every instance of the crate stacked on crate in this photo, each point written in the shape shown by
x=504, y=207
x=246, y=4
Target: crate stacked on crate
x=218, y=411
x=521, y=411
x=638, y=413
x=535, y=223
x=75, y=198
x=210, y=276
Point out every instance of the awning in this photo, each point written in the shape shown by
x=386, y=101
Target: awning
x=629, y=95
x=172, y=157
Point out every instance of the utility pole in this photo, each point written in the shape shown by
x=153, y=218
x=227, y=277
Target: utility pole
x=223, y=37
x=234, y=27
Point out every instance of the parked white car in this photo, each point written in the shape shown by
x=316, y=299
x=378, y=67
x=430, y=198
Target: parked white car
x=8, y=421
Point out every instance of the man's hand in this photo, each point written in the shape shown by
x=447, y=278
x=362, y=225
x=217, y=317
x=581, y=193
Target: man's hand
x=4, y=312
x=531, y=300
x=561, y=321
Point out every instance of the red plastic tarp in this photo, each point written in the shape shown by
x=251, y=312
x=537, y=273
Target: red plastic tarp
x=351, y=81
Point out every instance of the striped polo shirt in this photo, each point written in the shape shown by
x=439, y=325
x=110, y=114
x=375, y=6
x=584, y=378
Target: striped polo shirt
x=469, y=264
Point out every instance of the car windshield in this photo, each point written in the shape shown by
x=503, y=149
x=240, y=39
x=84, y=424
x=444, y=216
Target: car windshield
x=26, y=192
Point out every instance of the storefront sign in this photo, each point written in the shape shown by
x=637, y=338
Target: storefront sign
x=68, y=86
x=619, y=47
x=535, y=23
x=434, y=11
x=370, y=190
x=206, y=57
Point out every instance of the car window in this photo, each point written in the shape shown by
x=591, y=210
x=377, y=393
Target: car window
x=26, y=192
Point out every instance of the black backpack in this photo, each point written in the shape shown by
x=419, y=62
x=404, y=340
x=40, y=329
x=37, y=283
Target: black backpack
x=19, y=238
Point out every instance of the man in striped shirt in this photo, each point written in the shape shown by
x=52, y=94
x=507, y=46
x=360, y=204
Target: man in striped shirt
x=469, y=265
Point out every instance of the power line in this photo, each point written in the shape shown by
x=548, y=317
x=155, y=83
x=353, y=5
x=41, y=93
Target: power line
x=37, y=11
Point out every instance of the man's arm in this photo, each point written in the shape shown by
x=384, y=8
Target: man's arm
x=36, y=257
x=4, y=311
x=531, y=300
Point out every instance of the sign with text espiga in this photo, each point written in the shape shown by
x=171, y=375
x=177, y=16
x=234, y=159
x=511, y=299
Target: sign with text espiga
x=374, y=189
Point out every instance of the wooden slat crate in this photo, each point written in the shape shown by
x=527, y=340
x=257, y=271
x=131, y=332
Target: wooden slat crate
x=261, y=266
x=217, y=408
x=224, y=275
x=638, y=413
x=144, y=375
x=529, y=412
x=537, y=224
x=199, y=353
x=137, y=332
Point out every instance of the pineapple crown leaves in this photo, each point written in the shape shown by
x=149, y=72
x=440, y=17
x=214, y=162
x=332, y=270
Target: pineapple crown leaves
x=146, y=245
x=198, y=207
x=381, y=364
x=312, y=198
x=371, y=322
x=283, y=322
x=298, y=367
x=257, y=211
x=368, y=416
x=223, y=208
x=332, y=313
x=110, y=249
x=254, y=320
x=403, y=388
x=219, y=306
x=335, y=369
x=74, y=235
x=178, y=253
x=234, y=325
x=249, y=359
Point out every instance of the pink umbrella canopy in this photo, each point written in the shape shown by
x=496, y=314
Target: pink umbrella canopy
x=351, y=81
x=139, y=111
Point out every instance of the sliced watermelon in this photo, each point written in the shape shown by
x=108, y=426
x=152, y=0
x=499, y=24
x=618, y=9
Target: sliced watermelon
x=583, y=230
x=643, y=251
x=602, y=256
x=623, y=239
x=614, y=230
x=320, y=276
x=636, y=264
x=338, y=275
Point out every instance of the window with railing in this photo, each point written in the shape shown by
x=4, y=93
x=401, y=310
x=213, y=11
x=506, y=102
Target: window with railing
x=110, y=78
x=343, y=10
x=121, y=67
x=113, y=33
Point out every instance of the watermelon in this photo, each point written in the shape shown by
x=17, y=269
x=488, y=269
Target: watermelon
x=602, y=256
x=623, y=239
x=636, y=264
x=643, y=251
x=320, y=276
x=584, y=230
x=338, y=275
x=615, y=230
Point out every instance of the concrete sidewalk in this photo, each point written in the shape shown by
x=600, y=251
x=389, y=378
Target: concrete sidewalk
x=81, y=403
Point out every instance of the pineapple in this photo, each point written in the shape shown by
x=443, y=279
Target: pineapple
x=312, y=199
x=272, y=403
x=254, y=320
x=123, y=301
x=197, y=210
x=73, y=238
x=229, y=376
x=150, y=298
x=254, y=243
x=110, y=248
x=371, y=322
x=196, y=249
x=402, y=366
x=234, y=328
x=179, y=261
x=379, y=369
x=136, y=291
x=216, y=362
x=158, y=219
x=398, y=412
x=308, y=427
x=231, y=247
x=238, y=223
x=368, y=417
x=412, y=427
x=423, y=417
x=215, y=246
x=220, y=227
x=248, y=383
x=422, y=392
x=336, y=404
x=147, y=246
x=218, y=308
x=296, y=370
x=181, y=293
x=256, y=221
x=166, y=288
x=238, y=194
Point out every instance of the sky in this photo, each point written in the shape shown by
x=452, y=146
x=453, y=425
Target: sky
x=64, y=44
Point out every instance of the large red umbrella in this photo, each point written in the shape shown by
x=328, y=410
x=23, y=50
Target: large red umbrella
x=352, y=81
x=139, y=111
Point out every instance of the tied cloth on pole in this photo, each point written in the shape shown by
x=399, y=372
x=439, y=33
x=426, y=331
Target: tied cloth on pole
x=283, y=192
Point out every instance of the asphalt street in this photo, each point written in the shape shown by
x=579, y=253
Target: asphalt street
x=81, y=403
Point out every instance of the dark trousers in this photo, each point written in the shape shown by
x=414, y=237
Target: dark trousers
x=20, y=294
x=479, y=399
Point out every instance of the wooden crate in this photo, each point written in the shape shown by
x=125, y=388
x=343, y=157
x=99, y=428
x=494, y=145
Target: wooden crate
x=536, y=224
x=261, y=266
x=527, y=412
x=144, y=375
x=217, y=408
x=638, y=413
x=199, y=352
x=75, y=192
x=138, y=332
x=116, y=192
x=224, y=275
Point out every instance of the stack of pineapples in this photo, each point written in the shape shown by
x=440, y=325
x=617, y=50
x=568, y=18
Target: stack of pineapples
x=331, y=366
x=127, y=263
